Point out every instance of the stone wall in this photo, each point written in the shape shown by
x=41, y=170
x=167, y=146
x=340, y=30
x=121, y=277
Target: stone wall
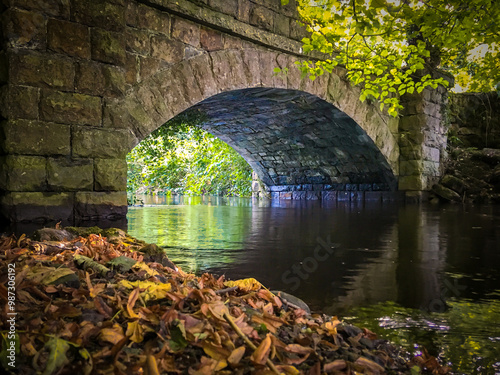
x=423, y=137
x=475, y=120
x=87, y=80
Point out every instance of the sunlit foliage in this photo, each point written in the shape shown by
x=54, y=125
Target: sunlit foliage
x=182, y=158
x=393, y=47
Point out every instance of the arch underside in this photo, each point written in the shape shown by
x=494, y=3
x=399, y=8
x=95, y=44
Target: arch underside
x=296, y=141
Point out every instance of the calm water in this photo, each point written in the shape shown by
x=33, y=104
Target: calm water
x=426, y=274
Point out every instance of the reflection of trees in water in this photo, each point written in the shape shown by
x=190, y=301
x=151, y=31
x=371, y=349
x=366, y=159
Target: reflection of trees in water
x=200, y=232
x=288, y=233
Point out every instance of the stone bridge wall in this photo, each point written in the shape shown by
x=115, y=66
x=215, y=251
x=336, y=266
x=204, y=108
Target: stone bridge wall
x=82, y=82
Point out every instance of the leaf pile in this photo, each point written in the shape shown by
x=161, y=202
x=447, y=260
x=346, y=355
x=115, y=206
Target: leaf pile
x=90, y=306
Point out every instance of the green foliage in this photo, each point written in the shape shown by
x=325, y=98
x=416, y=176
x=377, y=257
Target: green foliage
x=180, y=157
x=390, y=48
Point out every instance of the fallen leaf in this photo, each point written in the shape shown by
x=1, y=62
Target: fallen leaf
x=236, y=355
x=57, y=355
x=246, y=285
x=135, y=331
x=112, y=335
x=132, y=298
x=261, y=354
x=337, y=365
x=373, y=367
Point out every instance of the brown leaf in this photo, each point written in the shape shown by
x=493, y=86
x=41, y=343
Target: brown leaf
x=132, y=298
x=337, y=365
x=112, y=335
x=102, y=307
x=261, y=354
x=236, y=355
x=375, y=368
x=271, y=322
x=214, y=351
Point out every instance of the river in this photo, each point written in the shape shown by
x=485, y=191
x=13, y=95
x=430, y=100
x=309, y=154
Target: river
x=410, y=273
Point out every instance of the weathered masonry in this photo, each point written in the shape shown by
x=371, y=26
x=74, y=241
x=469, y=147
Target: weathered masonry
x=82, y=82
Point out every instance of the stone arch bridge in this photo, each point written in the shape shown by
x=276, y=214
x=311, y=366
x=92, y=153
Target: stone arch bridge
x=82, y=82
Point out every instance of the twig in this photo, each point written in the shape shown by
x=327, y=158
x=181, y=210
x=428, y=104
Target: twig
x=247, y=341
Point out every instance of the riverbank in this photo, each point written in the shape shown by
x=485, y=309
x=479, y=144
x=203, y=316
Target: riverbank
x=96, y=302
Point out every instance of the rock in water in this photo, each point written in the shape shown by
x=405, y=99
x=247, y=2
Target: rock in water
x=293, y=300
x=445, y=193
x=52, y=234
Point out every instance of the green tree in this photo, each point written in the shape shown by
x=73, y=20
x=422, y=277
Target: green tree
x=393, y=47
x=181, y=157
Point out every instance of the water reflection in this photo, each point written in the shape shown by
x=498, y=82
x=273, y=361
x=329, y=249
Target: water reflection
x=427, y=264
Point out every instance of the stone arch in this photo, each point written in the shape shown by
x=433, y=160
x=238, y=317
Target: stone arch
x=175, y=89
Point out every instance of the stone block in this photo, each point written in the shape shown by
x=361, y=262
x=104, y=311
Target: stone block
x=298, y=31
x=225, y=6
x=412, y=123
x=110, y=174
x=144, y=17
x=243, y=12
x=357, y=196
x=343, y=196
x=210, y=40
x=131, y=68
x=329, y=195
x=89, y=78
x=299, y=195
x=56, y=8
x=281, y=24
x=100, y=205
x=38, y=207
x=279, y=188
x=411, y=167
x=19, y=102
x=166, y=49
x=69, y=108
x=41, y=70
x=101, y=143
x=313, y=195
x=99, y=13
x=65, y=174
x=114, y=81
x=186, y=32
x=286, y=195
x=24, y=29
x=36, y=138
x=137, y=41
x=365, y=187
x=69, y=38
x=231, y=42
x=431, y=153
x=148, y=66
x=262, y=17
x=23, y=173
x=411, y=183
x=108, y=46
